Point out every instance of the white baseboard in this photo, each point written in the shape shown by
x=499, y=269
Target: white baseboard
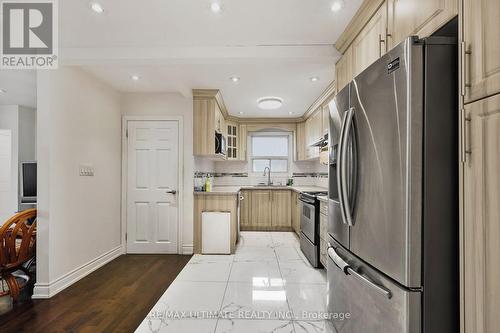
x=47, y=290
x=187, y=249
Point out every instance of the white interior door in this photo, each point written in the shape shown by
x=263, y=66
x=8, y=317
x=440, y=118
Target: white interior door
x=7, y=197
x=152, y=185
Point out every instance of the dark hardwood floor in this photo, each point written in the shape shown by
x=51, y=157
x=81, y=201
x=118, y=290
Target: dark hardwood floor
x=115, y=298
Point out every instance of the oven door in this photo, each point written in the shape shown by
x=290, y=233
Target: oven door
x=307, y=221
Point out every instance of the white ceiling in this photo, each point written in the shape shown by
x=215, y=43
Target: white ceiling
x=274, y=46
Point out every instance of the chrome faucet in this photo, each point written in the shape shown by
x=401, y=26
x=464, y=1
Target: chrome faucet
x=268, y=175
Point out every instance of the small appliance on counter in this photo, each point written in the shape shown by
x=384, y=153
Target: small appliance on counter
x=309, y=226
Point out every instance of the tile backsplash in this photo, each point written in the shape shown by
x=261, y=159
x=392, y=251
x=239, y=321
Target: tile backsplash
x=235, y=173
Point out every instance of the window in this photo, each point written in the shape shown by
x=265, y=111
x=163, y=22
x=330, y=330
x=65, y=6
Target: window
x=270, y=150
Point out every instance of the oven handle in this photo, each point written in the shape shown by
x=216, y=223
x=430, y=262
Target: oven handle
x=348, y=270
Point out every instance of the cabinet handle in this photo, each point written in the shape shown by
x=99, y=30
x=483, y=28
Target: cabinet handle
x=464, y=120
x=380, y=41
x=463, y=66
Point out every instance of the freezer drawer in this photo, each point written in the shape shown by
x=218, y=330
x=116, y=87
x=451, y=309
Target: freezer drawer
x=373, y=303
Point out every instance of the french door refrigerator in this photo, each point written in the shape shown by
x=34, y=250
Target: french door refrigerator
x=393, y=193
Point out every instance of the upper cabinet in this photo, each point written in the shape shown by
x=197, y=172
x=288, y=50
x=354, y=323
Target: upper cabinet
x=419, y=17
x=370, y=44
x=208, y=117
x=232, y=141
x=325, y=115
x=482, y=49
x=380, y=25
x=343, y=69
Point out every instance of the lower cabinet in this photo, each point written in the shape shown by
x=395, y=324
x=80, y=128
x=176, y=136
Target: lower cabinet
x=481, y=218
x=260, y=210
x=281, y=210
x=245, y=197
x=296, y=213
x=323, y=233
x=214, y=203
x=266, y=210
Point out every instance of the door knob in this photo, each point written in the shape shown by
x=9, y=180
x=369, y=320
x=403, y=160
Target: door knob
x=171, y=192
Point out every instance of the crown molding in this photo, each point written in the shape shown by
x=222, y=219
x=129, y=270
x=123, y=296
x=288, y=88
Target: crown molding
x=325, y=96
x=215, y=94
x=365, y=12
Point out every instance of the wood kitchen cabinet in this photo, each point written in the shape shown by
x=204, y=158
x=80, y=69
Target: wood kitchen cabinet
x=266, y=210
x=300, y=142
x=233, y=132
x=212, y=202
x=370, y=44
x=481, y=217
x=419, y=17
x=323, y=233
x=281, y=209
x=242, y=143
x=295, y=209
x=260, y=210
x=343, y=69
x=325, y=121
x=245, y=198
x=208, y=118
x=482, y=43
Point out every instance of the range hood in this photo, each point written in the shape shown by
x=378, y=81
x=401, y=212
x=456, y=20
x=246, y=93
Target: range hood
x=321, y=142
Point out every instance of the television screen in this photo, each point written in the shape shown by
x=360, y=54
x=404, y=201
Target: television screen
x=29, y=179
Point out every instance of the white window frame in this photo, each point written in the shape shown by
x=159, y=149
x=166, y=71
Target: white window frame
x=251, y=157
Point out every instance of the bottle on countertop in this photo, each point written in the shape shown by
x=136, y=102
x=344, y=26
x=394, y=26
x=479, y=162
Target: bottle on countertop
x=208, y=184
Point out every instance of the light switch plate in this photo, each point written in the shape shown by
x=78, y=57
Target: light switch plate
x=86, y=171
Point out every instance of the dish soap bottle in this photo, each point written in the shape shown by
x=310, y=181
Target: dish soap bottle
x=208, y=184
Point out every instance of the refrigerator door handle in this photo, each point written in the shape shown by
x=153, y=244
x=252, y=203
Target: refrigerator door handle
x=348, y=270
x=339, y=169
x=343, y=176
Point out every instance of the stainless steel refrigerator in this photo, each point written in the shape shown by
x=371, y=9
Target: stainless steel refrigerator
x=393, y=193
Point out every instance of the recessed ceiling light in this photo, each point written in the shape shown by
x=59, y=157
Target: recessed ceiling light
x=215, y=7
x=234, y=79
x=241, y=112
x=337, y=5
x=96, y=7
x=290, y=112
x=270, y=103
x=314, y=79
x=135, y=77
x=3, y=91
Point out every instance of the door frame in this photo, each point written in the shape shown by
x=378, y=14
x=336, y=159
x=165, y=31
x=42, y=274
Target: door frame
x=180, y=186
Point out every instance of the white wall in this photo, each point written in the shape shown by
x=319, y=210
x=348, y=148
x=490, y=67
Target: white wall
x=79, y=122
x=8, y=193
x=21, y=121
x=164, y=104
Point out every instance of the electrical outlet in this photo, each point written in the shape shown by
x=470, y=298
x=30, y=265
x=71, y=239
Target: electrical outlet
x=86, y=171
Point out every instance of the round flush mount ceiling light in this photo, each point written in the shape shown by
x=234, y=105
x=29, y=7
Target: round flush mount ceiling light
x=96, y=7
x=270, y=103
x=337, y=5
x=215, y=7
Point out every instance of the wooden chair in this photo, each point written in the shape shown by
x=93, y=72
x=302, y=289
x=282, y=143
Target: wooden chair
x=17, y=246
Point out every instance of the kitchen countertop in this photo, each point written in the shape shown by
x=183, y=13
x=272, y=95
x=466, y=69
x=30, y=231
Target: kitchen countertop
x=233, y=190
